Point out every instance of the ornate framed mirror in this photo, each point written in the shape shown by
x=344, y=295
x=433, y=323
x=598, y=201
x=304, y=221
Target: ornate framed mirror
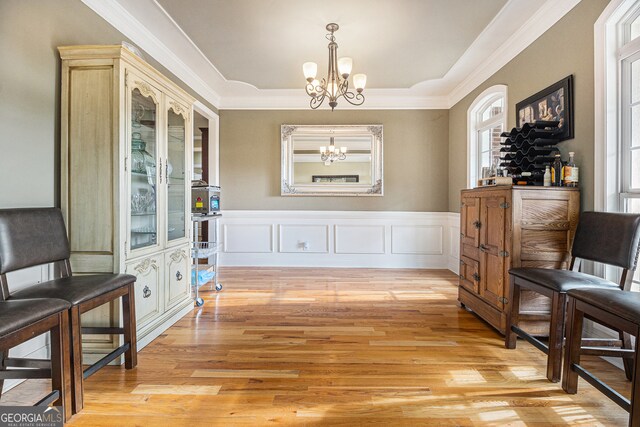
x=331, y=160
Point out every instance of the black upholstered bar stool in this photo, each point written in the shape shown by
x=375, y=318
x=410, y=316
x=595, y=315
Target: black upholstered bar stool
x=22, y=320
x=617, y=309
x=35, y=236
x=608, y=238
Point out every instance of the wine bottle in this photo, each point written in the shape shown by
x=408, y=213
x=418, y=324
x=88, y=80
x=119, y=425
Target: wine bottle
x=571, y=172
x=556, y=171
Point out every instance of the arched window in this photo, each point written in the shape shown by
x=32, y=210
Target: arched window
x=486, y=120
x=617, y=109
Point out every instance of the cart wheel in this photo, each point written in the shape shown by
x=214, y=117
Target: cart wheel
x=199, y=302
x=218, y=287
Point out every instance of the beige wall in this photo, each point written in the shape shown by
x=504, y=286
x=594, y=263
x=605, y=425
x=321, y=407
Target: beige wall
x=567, y=48
x=415, y=159
x=30, y=31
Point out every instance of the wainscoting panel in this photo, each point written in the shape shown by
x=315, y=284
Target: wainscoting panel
x=359, y=239
x=248, y=238
x=372, y=239
x=308, y=238
x=417, y=239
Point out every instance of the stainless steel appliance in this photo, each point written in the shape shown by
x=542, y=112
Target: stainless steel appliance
x=205, y=199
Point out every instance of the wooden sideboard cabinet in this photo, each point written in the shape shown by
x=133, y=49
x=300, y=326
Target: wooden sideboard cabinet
x=503, y=227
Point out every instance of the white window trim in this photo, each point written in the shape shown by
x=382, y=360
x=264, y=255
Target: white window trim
x=472, y=124
x=607, y=75
x=608, y=37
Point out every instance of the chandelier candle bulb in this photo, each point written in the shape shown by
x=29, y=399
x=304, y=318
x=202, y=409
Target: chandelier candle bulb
x=343, y=149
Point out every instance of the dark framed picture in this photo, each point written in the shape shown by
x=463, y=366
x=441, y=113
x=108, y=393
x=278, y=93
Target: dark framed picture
x=552, y=103
x=335, y=178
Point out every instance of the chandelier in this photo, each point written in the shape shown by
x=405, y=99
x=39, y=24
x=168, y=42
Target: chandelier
x=336, y=84
x=332, y=154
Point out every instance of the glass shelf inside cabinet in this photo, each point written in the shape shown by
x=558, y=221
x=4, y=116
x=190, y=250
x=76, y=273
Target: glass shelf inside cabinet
x=143, y=188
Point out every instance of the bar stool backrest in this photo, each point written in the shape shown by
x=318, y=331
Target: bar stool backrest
x=30, y=237
x=609, y=238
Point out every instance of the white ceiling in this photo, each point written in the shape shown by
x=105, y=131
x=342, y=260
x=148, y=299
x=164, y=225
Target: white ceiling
x=248, y=54
x=397, y=43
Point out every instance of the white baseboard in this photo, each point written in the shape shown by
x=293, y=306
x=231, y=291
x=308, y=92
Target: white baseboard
x=372, y=239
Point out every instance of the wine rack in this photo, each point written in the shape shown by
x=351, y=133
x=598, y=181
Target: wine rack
x=527, y=150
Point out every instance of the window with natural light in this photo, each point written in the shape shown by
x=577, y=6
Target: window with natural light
x=486, y=121
x=618, y=174
x=629, y=63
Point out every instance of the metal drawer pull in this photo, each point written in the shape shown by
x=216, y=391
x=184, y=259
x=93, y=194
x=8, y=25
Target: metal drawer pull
x=178, y=276
x=476, y=277
x=477, y=224
x=461, y=277
x=483, y=248
x=146, y=292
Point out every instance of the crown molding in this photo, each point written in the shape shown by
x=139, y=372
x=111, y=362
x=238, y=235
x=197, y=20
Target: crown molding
x=539, y=23
x=294, y=99
x=149, y=26
x=121, y=19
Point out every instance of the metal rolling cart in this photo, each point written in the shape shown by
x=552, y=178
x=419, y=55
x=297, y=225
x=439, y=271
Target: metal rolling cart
x=201, y=250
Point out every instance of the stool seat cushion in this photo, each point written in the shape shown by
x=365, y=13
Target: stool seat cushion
x=621, y=303
x=561, y=280
x=15, y=315
x=76, y=289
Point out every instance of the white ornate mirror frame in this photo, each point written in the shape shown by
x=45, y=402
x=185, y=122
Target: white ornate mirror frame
x=290, y=188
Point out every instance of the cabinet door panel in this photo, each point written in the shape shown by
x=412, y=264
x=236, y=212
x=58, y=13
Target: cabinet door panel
x=144, y=164
x=470, y=221
x=492, y=247
x=179, y=275
x=149, y=279
x=469, y=274
x=177, y=178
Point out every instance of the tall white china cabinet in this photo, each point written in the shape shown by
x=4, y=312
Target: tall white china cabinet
x=125, y=183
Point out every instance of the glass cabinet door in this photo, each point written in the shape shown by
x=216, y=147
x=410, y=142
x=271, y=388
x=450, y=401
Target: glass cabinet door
x=175, y=172
x=143, y=160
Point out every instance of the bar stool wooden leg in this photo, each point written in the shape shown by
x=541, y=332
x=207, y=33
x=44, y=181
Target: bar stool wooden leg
x=2, y=368
x=556, y=336
x=76, y=359
x=61, y=364
x=513, y=314
x=129, y=319
x=625, y=338
x=634, y=413
x=572, y=352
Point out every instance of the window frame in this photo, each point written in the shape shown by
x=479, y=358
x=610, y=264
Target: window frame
x=475, y=125
x=613, y=52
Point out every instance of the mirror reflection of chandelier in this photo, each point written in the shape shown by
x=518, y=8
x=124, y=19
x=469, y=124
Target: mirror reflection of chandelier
x=336, y=84
x=332, y=153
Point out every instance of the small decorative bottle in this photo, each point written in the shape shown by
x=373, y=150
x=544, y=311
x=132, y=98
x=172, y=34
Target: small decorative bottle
x=571, y=172
x=547, y=177
x=556, y=172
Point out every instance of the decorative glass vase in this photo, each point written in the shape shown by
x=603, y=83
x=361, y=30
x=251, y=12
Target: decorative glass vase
x=141, y=160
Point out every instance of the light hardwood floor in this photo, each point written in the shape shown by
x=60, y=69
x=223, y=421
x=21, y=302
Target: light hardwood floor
x=338, y=347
